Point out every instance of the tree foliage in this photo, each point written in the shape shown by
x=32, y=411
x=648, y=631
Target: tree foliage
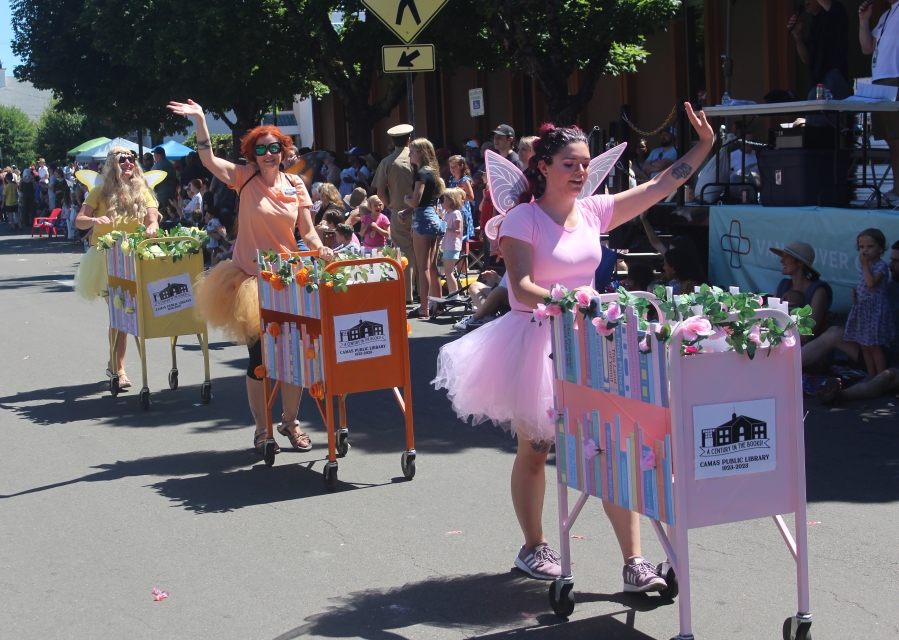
x=16, y=137
x=125, y=62
x=551, y=39
x=57, y=131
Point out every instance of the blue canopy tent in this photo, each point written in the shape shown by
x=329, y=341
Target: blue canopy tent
x=173, y=150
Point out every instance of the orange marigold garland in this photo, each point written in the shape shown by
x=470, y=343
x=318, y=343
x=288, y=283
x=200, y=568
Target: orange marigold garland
x=317, y=391
x=310, y=353
x=259, y=371
x=274, y=329
x=277, y=284
x=266, y=275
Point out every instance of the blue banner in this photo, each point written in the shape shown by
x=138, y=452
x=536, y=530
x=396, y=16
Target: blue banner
x=741, y=238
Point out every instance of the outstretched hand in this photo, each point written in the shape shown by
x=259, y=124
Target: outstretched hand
x=190, y=110
x=701, y=124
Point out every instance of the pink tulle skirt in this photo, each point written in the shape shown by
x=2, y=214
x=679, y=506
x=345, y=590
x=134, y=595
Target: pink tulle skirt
x=502, y=372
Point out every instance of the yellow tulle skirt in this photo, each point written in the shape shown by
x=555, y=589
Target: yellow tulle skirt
x=90, y=278
x=227, y=298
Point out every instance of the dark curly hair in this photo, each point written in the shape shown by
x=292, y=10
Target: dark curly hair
x=551, y=141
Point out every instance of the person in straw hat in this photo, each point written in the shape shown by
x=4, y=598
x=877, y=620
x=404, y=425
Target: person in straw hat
x=797, y=259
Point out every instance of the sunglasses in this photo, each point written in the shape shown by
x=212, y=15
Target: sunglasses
x=273, y=148
x=123, y=158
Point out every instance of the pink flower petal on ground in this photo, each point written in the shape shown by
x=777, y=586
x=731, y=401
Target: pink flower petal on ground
x=159, y=595
x=453, y=533
x=578, y=537
x=814, y=522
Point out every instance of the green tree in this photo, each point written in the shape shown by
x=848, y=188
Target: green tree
x=552, y=39
x=16, y=137
x=346, y=55
x=130, y=60
x=58, y=131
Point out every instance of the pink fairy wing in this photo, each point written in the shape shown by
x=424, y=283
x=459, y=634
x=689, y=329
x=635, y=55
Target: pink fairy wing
x=599, y=168
x=492, y=228
x=505, y=181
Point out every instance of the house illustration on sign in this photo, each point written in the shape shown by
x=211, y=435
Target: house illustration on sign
x=738, y=429
x=171, y=291
x=365, y=329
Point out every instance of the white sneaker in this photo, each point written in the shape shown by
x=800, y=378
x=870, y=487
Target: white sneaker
x=462, y=325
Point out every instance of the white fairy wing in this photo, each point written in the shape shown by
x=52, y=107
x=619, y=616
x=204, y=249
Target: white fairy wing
x=154, y=177
x=88, y=178
x=599, y=168
x=505, y=181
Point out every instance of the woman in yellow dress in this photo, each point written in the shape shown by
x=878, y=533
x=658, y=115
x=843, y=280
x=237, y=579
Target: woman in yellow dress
x=124, y=200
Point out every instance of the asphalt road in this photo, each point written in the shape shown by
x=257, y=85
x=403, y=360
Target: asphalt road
x=101, y=502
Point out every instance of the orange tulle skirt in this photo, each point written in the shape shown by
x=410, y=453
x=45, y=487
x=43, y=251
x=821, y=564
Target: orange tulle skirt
x=227, y=298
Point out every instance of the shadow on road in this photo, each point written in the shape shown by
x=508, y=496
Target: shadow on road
x=22, y=243
x=475, y=604
x=49, y=283
x=216, y=481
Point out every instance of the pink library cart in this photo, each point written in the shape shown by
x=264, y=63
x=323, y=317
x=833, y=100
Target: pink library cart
x=688, y=441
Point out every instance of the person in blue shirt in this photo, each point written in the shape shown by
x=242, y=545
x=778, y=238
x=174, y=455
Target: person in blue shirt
x=662, y=157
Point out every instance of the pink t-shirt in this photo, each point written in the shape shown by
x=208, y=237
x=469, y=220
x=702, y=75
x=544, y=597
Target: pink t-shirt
x=372, y=238
x=565, y=256
x=452, y=239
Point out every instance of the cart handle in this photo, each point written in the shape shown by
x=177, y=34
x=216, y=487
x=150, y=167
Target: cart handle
x=781, y=317
x=342, y=263
x=168, y=239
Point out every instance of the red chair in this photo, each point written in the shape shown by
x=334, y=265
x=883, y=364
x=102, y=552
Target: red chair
x=48, y=224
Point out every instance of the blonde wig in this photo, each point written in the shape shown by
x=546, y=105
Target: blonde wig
x=123, y=199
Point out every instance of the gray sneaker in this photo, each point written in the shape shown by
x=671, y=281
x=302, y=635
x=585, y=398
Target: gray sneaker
x=540, y=561
x=640, y=576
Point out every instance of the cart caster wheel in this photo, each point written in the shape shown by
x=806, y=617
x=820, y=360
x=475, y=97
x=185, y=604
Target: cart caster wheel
x=665, y=570
x=114, y=386
x=561, y=597
x=803, y=629
x=343, y=444
x=173, y=379
x=144, y=398
x=408, y=464
x=205, y=391
x=330, y=476
x=269, y=453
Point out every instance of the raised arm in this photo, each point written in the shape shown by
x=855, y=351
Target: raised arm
x=220, y=168
x=631, y=203
x=654, y=240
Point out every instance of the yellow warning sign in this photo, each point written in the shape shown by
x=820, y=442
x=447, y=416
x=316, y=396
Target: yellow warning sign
x=399, y=59
x=406, y=18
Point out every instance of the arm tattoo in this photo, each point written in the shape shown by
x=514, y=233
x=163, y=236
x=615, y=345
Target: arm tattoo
x=541, y=446
x=682, y=172
x=203, y=144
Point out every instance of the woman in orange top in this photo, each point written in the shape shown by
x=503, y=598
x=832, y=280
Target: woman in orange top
x=272, y=204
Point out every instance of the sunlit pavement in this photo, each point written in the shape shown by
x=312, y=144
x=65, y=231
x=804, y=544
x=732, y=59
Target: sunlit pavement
x=101, y=502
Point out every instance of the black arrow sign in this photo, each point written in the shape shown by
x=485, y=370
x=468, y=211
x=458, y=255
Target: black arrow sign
x=406, y=60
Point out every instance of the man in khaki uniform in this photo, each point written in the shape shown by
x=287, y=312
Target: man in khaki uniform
x=394, y=176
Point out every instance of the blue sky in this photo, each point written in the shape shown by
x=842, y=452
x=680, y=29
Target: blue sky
x=6, y=56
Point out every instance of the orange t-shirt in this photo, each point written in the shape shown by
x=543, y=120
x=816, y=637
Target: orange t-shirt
x=267, y=216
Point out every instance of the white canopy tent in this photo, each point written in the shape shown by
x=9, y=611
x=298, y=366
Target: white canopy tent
x=99, y=152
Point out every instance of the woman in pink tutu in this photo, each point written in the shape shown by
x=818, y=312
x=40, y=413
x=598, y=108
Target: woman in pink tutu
x=553, y=239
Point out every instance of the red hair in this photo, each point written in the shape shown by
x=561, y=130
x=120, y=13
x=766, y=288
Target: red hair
x=248, y=142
